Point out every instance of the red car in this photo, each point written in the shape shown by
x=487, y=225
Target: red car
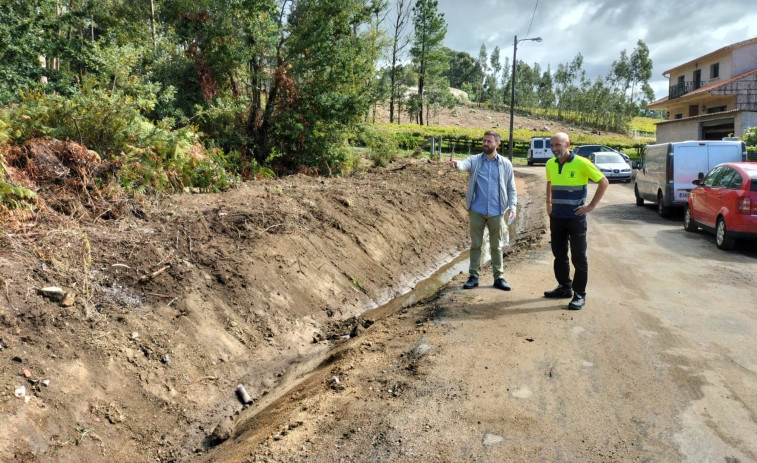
x=725, y=202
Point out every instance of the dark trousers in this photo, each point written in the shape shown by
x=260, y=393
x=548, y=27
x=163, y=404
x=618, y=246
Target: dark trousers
x=565, y=233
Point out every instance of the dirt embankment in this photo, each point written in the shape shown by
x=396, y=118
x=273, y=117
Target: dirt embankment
x=165, y=310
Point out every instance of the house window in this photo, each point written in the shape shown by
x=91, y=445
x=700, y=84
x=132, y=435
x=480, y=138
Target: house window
x=714, y=71
x=698, y=78
x=716, y=109
x=679, y=116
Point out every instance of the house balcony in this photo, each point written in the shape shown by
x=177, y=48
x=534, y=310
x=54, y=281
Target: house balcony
x=683, y=88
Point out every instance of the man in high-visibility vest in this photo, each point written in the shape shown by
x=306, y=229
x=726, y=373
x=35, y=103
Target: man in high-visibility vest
x=568, y=178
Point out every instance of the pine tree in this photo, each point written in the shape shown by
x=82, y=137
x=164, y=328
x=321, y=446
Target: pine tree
x=427, y=52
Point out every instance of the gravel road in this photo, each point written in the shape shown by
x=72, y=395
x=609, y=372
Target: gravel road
x=659, y=366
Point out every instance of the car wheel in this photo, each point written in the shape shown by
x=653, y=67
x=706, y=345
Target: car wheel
x=688, y=224
x=639, y=199
x=530, y=163
x=722, y=238
x=663, y=210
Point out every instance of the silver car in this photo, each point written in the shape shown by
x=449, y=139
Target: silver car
x=612, y=165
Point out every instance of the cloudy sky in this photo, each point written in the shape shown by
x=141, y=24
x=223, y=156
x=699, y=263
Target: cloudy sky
x=676, y=31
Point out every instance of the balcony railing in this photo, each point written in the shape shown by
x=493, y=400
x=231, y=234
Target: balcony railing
x=683, y=88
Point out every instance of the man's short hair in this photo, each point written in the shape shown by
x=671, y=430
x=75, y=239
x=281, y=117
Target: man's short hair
x=493, y=134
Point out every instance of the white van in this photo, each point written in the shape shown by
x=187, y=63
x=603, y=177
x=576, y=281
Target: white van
x=666, y=170
x=540, y=150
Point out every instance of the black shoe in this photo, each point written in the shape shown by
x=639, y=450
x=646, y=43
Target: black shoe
x=561, y=292
x=500, y=283
x=577, y=303
x=471, y=283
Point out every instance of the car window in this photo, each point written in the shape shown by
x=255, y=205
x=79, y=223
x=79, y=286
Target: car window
x=753, y=185
x=608, y=158
x=735, y=182
x=723, y=180
x=710, y=178
x=549, y=143
x=538, y=144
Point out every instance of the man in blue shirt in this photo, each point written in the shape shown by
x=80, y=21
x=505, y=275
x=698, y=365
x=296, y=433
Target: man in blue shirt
x=491, y=193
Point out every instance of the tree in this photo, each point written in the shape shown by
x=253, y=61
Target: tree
x=463, y=69
x=484, y=66
x=631, y=72
x=526, y=82
x=400, y=39
x=428, y=55
x=495, y=67
x=23, y=39
x=565, y=83
x=324, y=79
x=305, y=69
x=641, y=71
x=505, y=80
x=544, y=92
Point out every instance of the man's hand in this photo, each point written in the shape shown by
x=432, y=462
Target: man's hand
x=583, y=210
x=453, y=163
x=511, y=216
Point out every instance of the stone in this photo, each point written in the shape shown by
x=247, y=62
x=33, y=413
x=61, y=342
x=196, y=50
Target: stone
x=223, y=431
x=54, y=293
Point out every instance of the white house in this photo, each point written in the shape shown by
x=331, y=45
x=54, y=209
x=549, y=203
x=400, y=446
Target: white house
x=711, y=97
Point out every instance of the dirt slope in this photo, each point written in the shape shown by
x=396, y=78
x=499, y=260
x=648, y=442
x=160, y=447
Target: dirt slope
x=167, y=309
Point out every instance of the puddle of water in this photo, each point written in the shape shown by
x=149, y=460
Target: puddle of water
x=423, y=288
x=431, y=285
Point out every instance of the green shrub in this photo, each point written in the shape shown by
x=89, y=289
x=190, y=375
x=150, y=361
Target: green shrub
x=11, y=196
x=382, y=147
x=153, y=156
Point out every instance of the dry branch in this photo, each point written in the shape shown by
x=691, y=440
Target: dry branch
x=151, y=276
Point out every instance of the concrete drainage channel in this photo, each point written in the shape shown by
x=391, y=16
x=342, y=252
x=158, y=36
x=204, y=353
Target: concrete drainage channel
x=526, y=230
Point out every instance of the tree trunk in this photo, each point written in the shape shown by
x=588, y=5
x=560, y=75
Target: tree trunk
x=152, y=23
x=43, y=63
x=420, y=98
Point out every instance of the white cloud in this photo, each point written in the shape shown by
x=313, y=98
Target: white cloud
x=674, y=31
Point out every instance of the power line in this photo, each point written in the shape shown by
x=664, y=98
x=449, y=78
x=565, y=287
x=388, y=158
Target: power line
x=532, y=18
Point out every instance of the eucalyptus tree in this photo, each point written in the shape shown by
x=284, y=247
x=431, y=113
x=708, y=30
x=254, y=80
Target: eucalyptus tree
x=566, y=79
x=427, y=52
x=545, y=92
x=496, y=67
x=483, y=64
x=631, y=74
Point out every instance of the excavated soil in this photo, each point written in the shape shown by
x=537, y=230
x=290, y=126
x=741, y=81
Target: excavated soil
x=166, y=305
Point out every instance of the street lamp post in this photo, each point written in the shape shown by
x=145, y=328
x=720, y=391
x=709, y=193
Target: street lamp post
x=512, y=92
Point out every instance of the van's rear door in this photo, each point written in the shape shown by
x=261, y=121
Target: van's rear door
x=720, y=153
x=688, y=160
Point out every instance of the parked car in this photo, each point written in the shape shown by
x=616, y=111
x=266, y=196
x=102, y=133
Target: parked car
x=612, y=165
x=586, y=150
x=725, y=202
